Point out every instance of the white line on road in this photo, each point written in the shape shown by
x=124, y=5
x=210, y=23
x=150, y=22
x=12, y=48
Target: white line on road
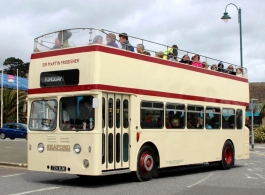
x=260, y=176
x=39, y=190
x=200, y=181
x=13, y=175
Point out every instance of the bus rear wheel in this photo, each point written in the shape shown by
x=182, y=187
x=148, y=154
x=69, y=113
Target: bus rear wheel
x=228, y=156
x=146, y=163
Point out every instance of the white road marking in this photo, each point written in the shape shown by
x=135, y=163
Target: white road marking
x=13, y=175
x=200, y=181
x=261, y=177
x=255, y=169
x=39, y=190
x=248, y=177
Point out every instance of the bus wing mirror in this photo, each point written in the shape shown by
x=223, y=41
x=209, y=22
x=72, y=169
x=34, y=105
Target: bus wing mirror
x=24, y=108
x=95, y=103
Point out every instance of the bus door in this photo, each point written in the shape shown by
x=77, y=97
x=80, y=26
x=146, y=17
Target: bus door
x=115, y=131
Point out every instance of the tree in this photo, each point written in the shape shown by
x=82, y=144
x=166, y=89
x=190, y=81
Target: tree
x=12, y=64
x=10, y=105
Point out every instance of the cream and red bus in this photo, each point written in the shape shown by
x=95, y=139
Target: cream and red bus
x=96, y=109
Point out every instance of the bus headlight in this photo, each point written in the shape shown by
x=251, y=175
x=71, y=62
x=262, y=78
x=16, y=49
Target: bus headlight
x=85, y=163
x=40, y=147
x=77, y=148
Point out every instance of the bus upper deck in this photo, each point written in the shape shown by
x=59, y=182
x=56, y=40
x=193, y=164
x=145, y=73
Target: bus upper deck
x=78, y=37
x=95, y=66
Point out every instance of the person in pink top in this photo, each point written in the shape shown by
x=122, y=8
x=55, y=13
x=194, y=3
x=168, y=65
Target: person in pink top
x=196, y=61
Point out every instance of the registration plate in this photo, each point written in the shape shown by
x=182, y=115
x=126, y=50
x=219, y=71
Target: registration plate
x=58, y=168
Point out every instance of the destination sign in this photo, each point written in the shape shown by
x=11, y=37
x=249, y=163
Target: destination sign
x=59, y=78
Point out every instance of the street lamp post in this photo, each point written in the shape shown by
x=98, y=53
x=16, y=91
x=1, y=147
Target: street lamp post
x=226, y=17
x=252, y=106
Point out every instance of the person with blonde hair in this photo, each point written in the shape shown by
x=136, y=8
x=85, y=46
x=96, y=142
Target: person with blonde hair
x=159, y=54
x=111, y=39
x=140, y=49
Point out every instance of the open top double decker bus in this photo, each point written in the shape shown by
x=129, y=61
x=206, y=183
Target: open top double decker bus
x=96, y=109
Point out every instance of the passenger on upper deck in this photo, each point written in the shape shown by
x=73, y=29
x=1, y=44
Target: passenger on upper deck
x=196, y=61
x=205, y=65
x=214, y=67
x=140, y=49
x=173, y=50
x=185, y=60
x=230, y=70
x=171, y=57
x=97, y=40
x=125, y=44
x=111, y=38
x=239, y=72
x=63, y=38
x=221, y=67
x=159, y=54
x=57, y=44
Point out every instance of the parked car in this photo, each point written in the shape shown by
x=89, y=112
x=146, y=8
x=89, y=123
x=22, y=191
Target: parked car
x=13, y=130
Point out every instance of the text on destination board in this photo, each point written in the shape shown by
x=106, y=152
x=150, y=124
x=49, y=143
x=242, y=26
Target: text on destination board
x=62, y=62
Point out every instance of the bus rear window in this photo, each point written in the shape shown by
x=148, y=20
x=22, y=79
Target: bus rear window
x=59, y=78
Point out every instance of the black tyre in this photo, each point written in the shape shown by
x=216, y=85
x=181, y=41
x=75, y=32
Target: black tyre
x=2, y=135
x=146, y=163
x=228, y=156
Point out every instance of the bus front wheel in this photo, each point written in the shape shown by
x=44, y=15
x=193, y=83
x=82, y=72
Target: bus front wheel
x=146, y=163
x=228, y=156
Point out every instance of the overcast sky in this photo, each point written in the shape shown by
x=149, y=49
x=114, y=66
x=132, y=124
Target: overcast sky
x=194, y=25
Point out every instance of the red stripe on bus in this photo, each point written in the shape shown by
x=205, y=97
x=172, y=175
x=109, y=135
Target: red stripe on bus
x=132, y=91
x=133, y=55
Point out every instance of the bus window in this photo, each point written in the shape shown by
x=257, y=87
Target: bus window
x=195, y=117
x=228, y=118
x=152, y=114
x=239, y=119
x=175, y=116
x=76, y=113
x=212, y=118
x=125, y=114
x=110, y=157
x=43, y=115
x=110, y=113
x=103, y=112
x=118, y=114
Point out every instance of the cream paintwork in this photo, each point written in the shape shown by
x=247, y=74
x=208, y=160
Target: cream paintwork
x=175, y=147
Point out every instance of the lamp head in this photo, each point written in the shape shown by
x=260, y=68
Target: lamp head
x=226, y=17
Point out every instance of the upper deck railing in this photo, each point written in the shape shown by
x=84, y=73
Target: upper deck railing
x=87, y=36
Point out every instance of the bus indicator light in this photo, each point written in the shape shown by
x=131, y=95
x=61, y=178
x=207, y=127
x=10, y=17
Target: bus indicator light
x=137, y=136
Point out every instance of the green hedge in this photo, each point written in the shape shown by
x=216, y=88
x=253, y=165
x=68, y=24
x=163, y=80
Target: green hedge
x=260, y=134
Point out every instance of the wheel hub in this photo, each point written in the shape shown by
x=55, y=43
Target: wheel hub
x=228, y=155
x=146, y=162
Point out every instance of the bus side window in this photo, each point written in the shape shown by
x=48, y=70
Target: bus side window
x=239, y=119
x=195, y=117
x=175, y=116
x=228, y=118
x=152, y=114
x=213, y=118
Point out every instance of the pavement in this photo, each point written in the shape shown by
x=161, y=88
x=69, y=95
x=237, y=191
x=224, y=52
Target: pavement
x=14, y=152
